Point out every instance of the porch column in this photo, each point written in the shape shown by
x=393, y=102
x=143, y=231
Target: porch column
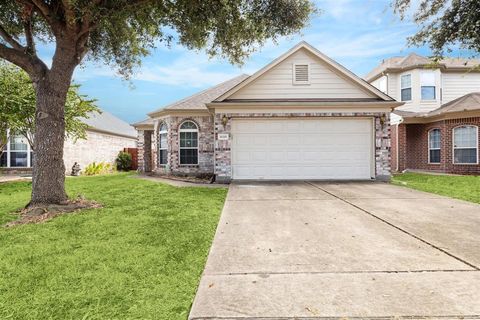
x=147, y=150
x=402, y=147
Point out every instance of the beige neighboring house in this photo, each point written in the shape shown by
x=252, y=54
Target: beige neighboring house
x=437, y=129
x=107, y=135
x=303, y=116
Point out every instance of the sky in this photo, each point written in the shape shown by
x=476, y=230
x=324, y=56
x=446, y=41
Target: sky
x=356, y=33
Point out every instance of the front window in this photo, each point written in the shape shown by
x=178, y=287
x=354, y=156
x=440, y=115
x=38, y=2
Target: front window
x=465, y=144
x=427, y=80
x=188, y=143
x=162, y=145
x=434, y=146
x=406, y=87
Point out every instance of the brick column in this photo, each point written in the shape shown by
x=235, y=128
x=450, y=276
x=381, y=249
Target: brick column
x=147, y=150
x=402, y=147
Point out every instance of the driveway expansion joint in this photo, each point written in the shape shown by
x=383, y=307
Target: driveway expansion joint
x=396, y=227
x=339, y=272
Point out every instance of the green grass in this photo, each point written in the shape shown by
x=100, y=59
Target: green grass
x=460, y=187
x=138, y=257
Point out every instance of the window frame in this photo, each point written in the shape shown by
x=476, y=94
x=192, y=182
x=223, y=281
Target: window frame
x=405, y=88
x=434, y=86
x=430, y=148
x=180, y=148
x=454, y=148
x=160, y=147
x=8, y=151
x=294, y=78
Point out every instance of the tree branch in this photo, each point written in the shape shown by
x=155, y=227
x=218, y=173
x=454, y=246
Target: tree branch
x=28, y=28
x=9, y=39
x=31, y=64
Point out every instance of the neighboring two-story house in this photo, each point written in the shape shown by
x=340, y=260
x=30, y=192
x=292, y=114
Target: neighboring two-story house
x=437, y=129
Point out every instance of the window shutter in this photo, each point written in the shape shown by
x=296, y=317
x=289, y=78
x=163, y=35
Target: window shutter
x=301, y=74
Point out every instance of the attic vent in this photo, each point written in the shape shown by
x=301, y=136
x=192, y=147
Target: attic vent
x=301, y=74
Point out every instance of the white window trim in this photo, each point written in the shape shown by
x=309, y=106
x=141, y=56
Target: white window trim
x=401, y=88
x=300, y=83
x=429, y=148
x=453, y=145
x=180, y=148
x=160, y=132
x=8, y=151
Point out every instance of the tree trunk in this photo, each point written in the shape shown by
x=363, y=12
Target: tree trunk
x=48, y=181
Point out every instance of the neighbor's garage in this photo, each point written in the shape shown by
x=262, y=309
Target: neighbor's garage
x=315, y=148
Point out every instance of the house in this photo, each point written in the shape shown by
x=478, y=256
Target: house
x=107, y=135
x=303, y=116
x=437, y=127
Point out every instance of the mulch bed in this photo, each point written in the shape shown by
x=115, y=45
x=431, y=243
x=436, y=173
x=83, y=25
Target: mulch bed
x=42, y=213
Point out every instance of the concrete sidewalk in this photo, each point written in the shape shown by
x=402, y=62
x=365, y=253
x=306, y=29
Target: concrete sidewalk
x=340, y=251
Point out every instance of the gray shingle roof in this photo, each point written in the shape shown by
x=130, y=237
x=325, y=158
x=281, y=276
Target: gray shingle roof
x=107, y=122
x=198, y=100
x=468, y=102
x=415, y=60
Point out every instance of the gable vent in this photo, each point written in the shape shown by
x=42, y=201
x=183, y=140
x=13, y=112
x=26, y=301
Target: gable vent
x=301, y=74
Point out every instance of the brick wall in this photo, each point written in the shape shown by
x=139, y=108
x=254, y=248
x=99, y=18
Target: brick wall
x=414, y=149
x=98, y=147
x=205, y=147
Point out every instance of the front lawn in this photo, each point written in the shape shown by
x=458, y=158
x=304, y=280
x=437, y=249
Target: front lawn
x=138, y=257
x=460, y=187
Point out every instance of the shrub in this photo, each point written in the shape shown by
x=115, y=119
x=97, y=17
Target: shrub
x=98, y=168
x=124, y=161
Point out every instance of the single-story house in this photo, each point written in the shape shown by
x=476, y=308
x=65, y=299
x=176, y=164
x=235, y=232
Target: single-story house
x=107, y=135
x=303, y=116
x=437, y=128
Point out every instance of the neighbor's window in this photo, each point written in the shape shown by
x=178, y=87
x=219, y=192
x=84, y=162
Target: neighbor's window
x=406, y=87
x=465, y=144
x=188, y=143
x=162, y=144
x=18, y=151
x=427, y=81
x=434, y=147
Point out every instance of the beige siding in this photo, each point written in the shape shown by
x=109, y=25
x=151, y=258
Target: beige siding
x=277, y=83
x=392, y=86
x=97, y=148
x=417, y=104
x=456, y=85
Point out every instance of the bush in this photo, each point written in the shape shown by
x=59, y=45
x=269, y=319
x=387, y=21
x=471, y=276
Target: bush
x=124, y=161
x=98, y=168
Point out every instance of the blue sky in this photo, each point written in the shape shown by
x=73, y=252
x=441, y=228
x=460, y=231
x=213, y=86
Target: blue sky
x=356, y=33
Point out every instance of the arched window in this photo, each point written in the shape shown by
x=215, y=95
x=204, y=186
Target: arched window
x=434, y=146
x=162, y=144
x=188, y=143
x=465, y=145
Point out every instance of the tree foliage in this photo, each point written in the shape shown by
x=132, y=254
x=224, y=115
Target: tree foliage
x=444, y=24
x=121, y=32
x=17, y=106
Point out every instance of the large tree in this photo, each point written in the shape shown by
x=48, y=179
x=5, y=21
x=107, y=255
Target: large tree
x=17, y=107
x=120, y=33
x=444, y=24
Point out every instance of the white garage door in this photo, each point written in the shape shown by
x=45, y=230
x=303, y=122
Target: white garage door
x=282, y=149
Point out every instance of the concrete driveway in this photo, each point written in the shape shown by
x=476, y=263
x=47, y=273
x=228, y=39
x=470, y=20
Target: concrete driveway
x=364, y=250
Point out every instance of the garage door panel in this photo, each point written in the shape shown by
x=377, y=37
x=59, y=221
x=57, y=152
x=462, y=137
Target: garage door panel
x=302, y=149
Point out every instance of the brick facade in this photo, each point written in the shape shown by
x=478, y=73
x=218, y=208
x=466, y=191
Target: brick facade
x=413, y=147
x=215, y=155
x=173, y=166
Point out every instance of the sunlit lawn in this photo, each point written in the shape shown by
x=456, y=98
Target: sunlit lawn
x=460, y=187
x=138, y=257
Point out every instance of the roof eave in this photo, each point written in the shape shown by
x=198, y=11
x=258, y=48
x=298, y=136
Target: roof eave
x=392, y=104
